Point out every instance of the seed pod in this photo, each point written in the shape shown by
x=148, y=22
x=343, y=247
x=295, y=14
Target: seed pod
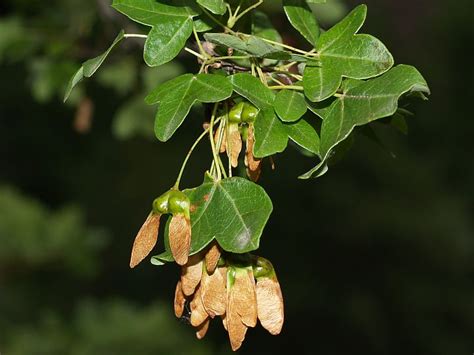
x=191, y=274
x=254, y=165
x=202, y=329
x=179, y=300
x=145, y=240
x=198, y=312
x=160, y=204
x=234, y=144
x=233, y=320
x=213, y=292
x=178, y=203
x=235, y=113
x=245, y=301
x=249, y=113
x=212, y=257
x=180, y=238
x=270, y=305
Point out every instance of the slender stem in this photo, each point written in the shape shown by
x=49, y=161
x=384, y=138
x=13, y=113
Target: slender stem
x=221, y=135
x=213, y=145
x=289, y=87
x=194, y=53
x=247, y=10
x=198, y=41
x=276, y=80
x=190, y=152
x=287, y=73
x=288, y=66
x=261, y=75
x=215, y=59
x=238, y=8
x=230, y=10
x=284, y=46
x=134, y=35
x=229, y=162
x=203, y=67
x=213, y=18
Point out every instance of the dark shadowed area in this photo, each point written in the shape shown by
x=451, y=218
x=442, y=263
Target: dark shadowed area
x=376, y=257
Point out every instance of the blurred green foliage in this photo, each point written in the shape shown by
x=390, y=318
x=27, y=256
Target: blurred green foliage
x=386, y=245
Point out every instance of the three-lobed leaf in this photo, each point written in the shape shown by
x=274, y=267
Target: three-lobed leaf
x=364, y=102
x=177, y=96
x=343, y=53
x=233, y=211
x=172, y=25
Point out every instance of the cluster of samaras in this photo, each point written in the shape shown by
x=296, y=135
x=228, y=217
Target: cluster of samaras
x=240, y=289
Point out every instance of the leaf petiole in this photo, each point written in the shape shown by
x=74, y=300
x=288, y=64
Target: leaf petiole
x=196, y=54
x=134, y=35
x=190, y=152
x=213, y=145
x=243, y=13
x=198, y=41
x=287, y=87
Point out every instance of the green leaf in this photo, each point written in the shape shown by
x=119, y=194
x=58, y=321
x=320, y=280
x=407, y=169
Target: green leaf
x=233, y=211
x=253, y=90
x=226, y=40
x=177, y=96
x=302, y=19
x=316, y=1
x=253, y=46
x=75, y=79
x=89, y=67
x=290, y=105
x=166, y=40
x=215, y=6
x=171, y=26
x=303, y=134
x=151, y=12
x=271, y=136
x=261, y=49
x=359, y=105
x=342, y=53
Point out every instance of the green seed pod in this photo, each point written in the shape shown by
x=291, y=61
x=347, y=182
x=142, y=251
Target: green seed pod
x=263, y=268
x=178, y=203
x=249, y=113
x=160, y=204
x=235, y=113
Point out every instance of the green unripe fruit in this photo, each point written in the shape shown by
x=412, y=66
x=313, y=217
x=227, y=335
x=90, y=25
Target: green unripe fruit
x=160, y=204
x=249, y=113
x=178, y=203
x=235, y=113
x=263, y=268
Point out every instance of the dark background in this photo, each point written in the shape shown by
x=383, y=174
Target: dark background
x=376, y=257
